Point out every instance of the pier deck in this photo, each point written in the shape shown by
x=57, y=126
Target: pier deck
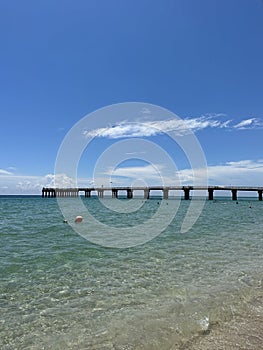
x=75, y=192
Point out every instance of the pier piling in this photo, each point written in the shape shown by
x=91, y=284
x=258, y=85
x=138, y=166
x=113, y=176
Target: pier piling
x=165, y=193
x=234, y=194
x=146, y=193
x=114, y=193
x=186, y=193
x=210, y=194
x=100, y=193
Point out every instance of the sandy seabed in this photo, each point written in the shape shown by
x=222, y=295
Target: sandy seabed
x=238, y=334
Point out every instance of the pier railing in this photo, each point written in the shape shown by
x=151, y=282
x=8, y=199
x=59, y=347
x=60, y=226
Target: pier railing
x=100, y=191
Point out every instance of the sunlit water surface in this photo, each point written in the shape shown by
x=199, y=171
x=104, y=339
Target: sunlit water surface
x=198, y=290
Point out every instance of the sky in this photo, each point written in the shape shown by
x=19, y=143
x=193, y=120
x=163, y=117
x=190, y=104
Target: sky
x=63, y=60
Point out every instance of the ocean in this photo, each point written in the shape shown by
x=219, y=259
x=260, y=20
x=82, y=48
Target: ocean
x=196, y=290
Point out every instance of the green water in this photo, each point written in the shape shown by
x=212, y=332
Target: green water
x=60, y=291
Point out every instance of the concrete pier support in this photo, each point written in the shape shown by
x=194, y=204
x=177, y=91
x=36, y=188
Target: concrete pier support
x=186, y=193
x=210, y=194
x=260, y=195
x=87, y=193
x=73, y=192
x=234, y=194
x=165, y=193
x=146, y=193
x=114, y=193
x=129, y=193
x=48, y=192
x=100, y=193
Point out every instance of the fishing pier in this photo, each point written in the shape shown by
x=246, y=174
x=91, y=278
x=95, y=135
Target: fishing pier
x=186, y=191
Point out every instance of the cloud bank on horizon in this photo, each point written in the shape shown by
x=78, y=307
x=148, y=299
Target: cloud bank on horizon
x=245, y=172
x=235, y=173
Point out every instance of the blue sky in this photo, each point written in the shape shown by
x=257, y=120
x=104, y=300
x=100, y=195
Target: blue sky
x=61, y=60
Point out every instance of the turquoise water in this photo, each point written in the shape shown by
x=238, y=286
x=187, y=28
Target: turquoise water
x=178, y=291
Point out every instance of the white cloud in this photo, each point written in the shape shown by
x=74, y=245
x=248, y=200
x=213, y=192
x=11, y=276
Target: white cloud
x=59, y=180
x=5, y=172
x=179, y=127
x=251, y=123
x=138, y=172
x=236, y=173
x=247, y=164
x=146, y=111
x=26, y=184
x=151, y=128
x=151, y=174
x=135, y=153
x=240, y=173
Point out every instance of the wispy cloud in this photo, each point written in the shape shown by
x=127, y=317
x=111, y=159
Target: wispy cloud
x=151, y=128
x=5, y=172
x=251, y=123
x=247, y=164
x=179, y=127
x=241, y=173
x=137, y=172
x=150, y=174
x=135, y=153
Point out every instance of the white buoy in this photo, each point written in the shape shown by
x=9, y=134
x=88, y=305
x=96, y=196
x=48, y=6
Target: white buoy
x=78, y=219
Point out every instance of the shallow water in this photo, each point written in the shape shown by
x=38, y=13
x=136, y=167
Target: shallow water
x=198, y=290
